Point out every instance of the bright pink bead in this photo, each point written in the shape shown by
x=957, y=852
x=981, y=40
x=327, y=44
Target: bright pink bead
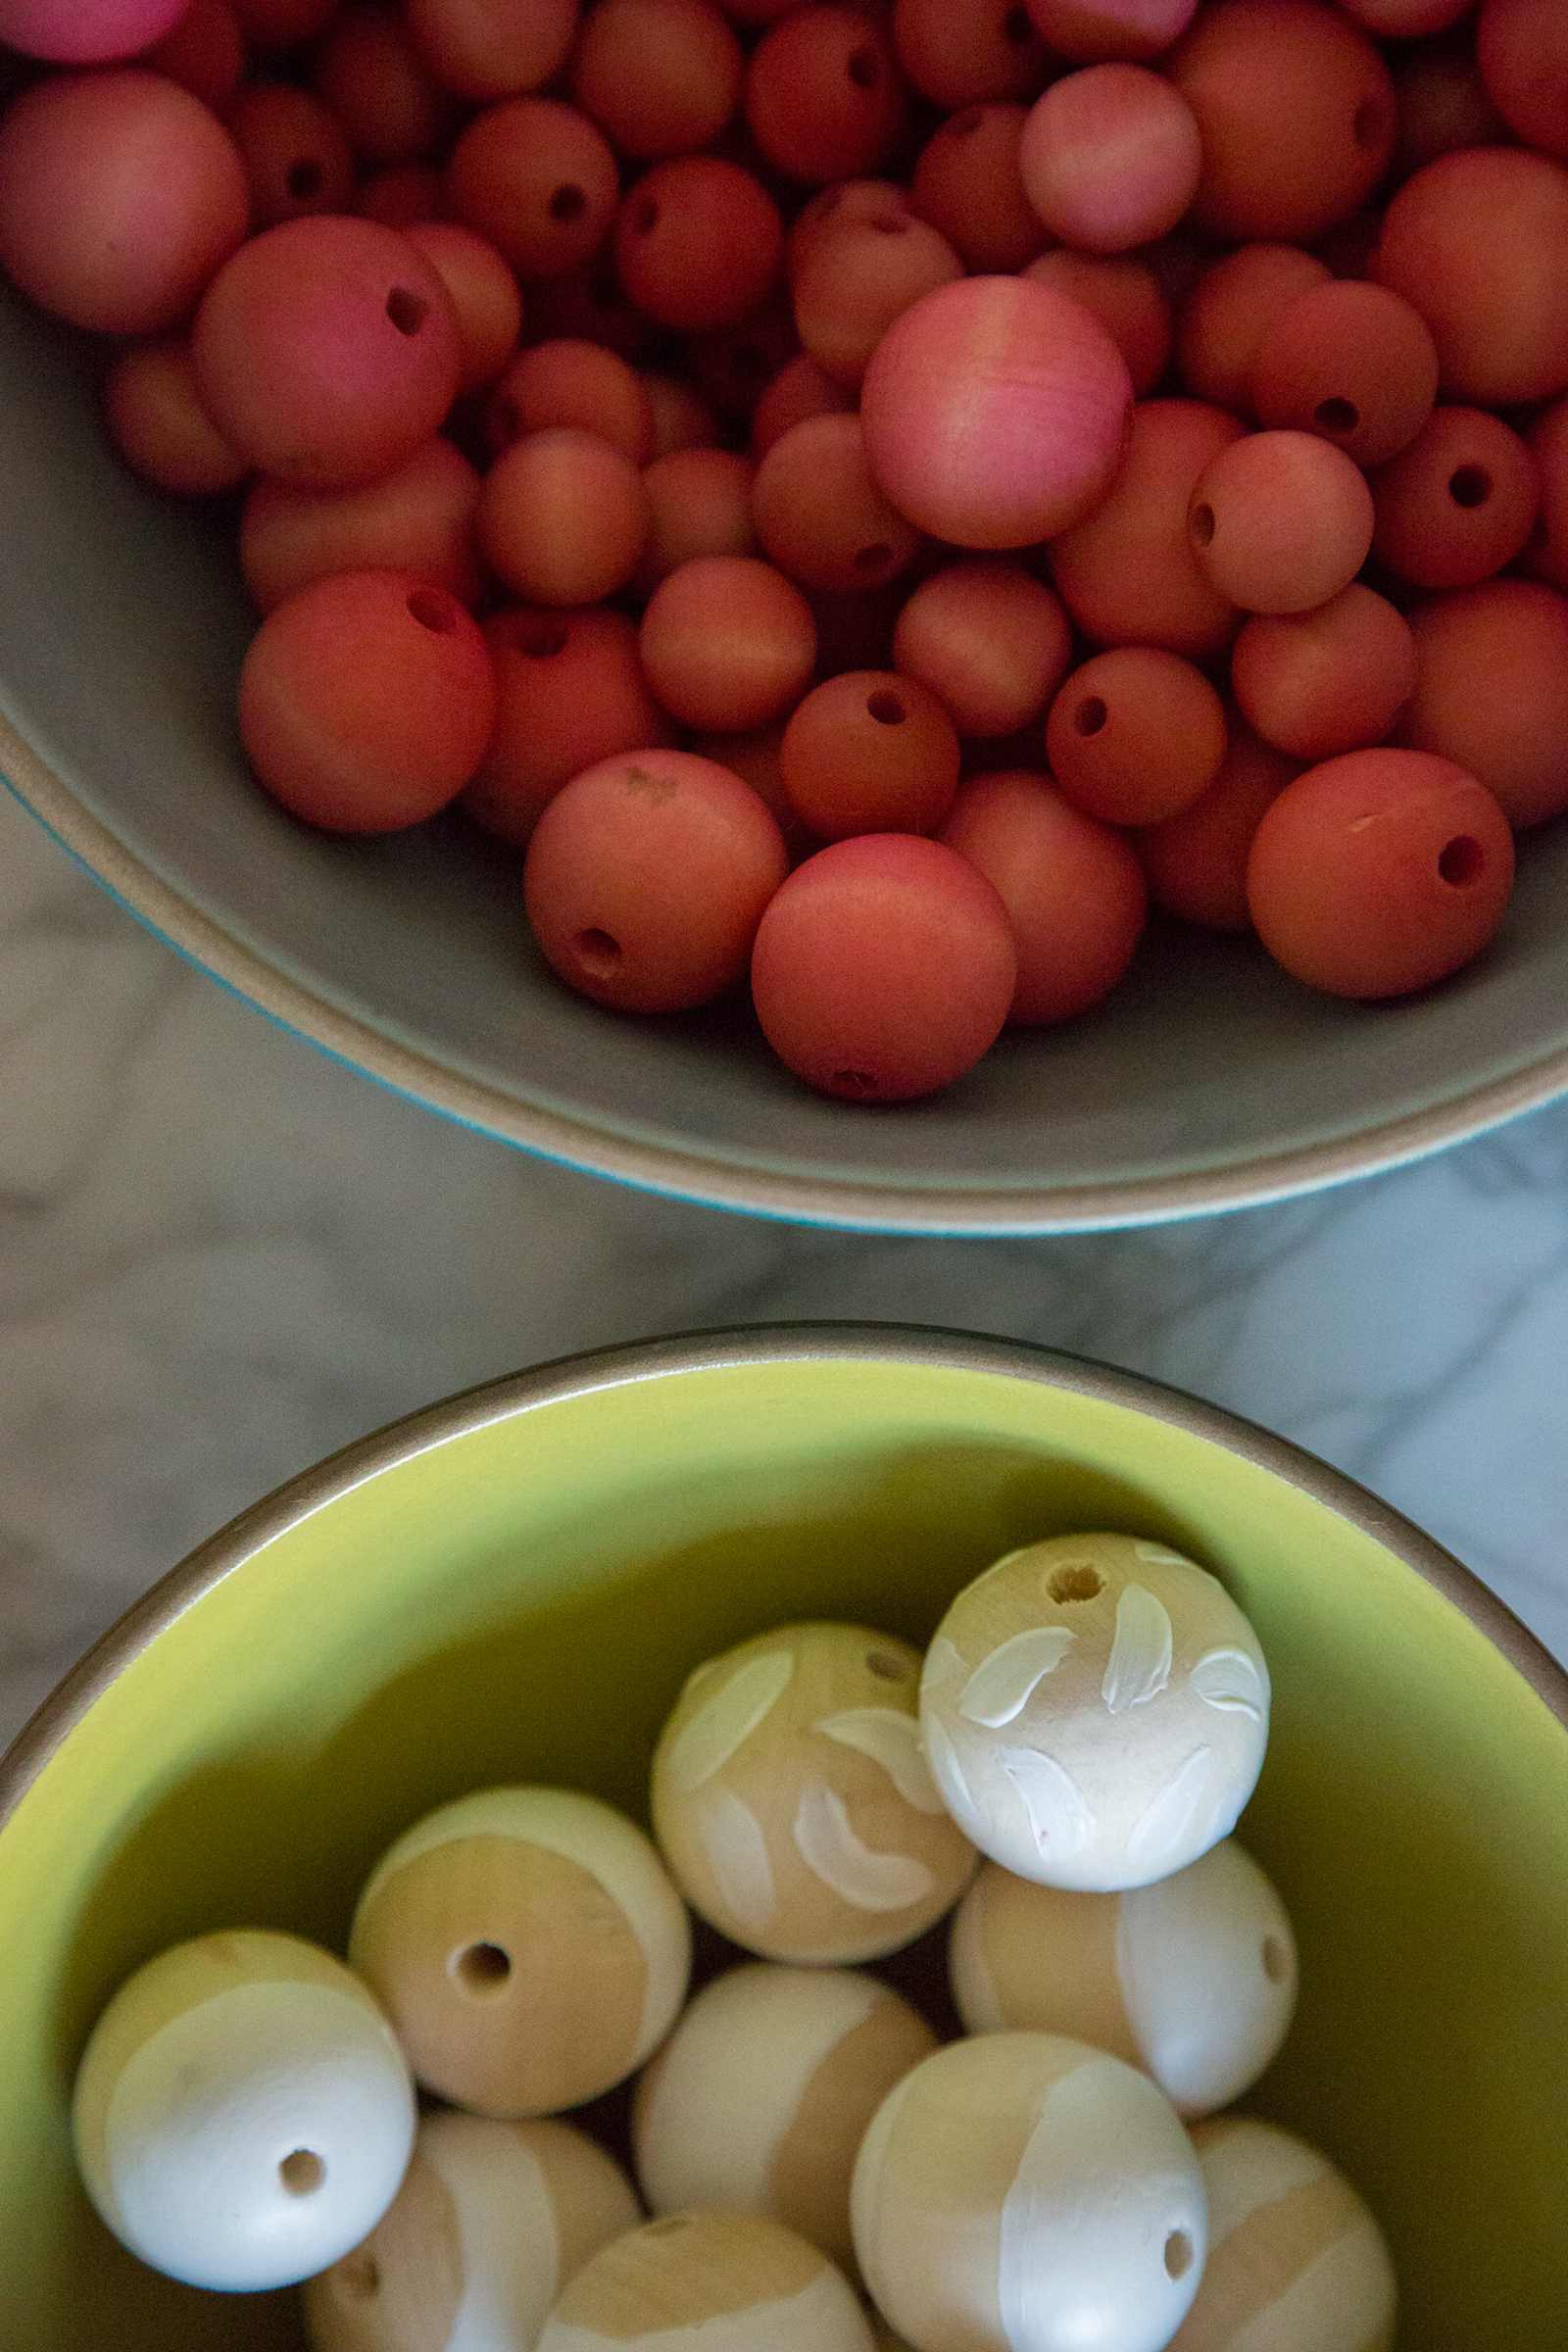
x=85, y=33
x=996, y=412
x=646, y=877
x=883, y=968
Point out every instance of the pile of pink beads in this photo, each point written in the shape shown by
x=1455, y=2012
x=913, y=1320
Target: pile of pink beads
x=1031, y=2147
x=869, y=494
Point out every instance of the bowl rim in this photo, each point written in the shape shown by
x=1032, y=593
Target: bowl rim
x=841, y=1203
x=729, y=1347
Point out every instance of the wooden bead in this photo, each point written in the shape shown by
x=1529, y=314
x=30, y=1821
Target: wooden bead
x=1095, y=1710
x=1295, y=2260
x=1023, y=2189
x=528, y=1946
x=492, y=2221
x=791, y=1802
x=759, y=2100
x=242, y=2113
x=1193, y=1977
x=727, y=2282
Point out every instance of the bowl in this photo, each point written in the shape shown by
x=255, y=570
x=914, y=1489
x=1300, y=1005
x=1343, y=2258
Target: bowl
x=1209, y=1078
x=513, y=1584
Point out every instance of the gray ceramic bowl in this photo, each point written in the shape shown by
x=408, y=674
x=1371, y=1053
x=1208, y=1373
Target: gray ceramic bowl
x=1209, y=1079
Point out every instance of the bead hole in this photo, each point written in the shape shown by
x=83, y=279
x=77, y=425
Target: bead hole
x=1461, y=860
x=861, y=68
x=1276, y=1959
x=407, y=309
x=302, y=2173
x=1090, y=716
x=886, y=708
x=1338, y=416
x=600, y=951
x=1201, y=524
x=482, y=1967
x=568, y=203
x=1178, y=2254
x=1470, y=486
x=1078, y=1581
x=360, y=2276
x=433, y=611
x=884, y=1666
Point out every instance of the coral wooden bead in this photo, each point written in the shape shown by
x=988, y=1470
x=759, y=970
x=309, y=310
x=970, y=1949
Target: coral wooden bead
x=492, y=2221
x=967, y=185
x=120, y=195
x=485, y=299
x=759, y=2100
x=539, y=180
x=1193, y=1978
x=1095, y=1710
x=157, y=423
x=1280, y=522
x=296, y=158
x=646, y=877
x=242, y=2113
x=564, y=517
x=1025, y=2189
x=326, y=351
x=699, y=500
x=661, y=78
x=1474, y=241
x=791, y=1802
x=1295, y=2258
x=1491, y=692
x=1110, y=157
x=527, y=1945
x=869, y=752
x=1227, y=315
x=418, y=520
x=961, y=53
x=823, y=96
x=729, y=642
x=1125, y=296
x=85, y=33
x=989, y=639
x=1522, y=50
x=996, y=412
x=821, y=516
x=1351, y=361
x=801, y=389
x=856, y=278
x=1315, y=684
x=1135, y=734
x=883, y=968
x=567, y=380
x=1379, y=872
x=486, y=49
x=729, y=2281
x=1090, y=31
x=698, y=243
x=1458, y=502
x=365, y=701
x=1196, y=861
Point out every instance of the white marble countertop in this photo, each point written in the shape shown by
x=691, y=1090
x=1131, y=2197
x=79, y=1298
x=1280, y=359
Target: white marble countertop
x=221, y=1256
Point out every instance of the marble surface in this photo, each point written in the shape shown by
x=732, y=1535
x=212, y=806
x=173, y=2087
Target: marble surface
x=222, y=1256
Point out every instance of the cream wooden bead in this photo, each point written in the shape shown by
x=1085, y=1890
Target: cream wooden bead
x=529, y=1945
x=242, y=2113
x=1191, y=1978
x=759, y=2100
x=707, y=2282
x=1095, y=1710
x=1295, y=2261
x=1023, y=2192
x=492, y=2221
x=792, y=1803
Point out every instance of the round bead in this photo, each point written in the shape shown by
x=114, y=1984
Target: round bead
x=791, y=1802
x=242, y=2113
x=759, y=2100
x=1025, y=2189
x=1295, y=2260
x=529, y=1948
x=492, y=2221
x=729, y=2281
x=1193, y=1977
x=1095, y=1710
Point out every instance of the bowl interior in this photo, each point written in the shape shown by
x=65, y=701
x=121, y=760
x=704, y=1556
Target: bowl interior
x=1208, y=1077
x=513, y=1586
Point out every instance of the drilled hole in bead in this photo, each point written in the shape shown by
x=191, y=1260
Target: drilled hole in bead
x=874, y=557
x=360, y=2276
x=302, y=2173
x=482, y=1967
x=1017, y=26
x=1276, y=1959
x=1461, y=860
x=1090, y=716
x=886, y=708
x=303, y=179
x=1077, y=1580
x=541, y=640
x=599, y=949
x=433, y=611
x=1369, y=123
x=1470, y=486
x=407, y=309
x=861, y=68
x=1201, y=524
x=884, y=1666
x=853, y=1082
x=568, y=203
x=1338, y=416
x=1178, y=2254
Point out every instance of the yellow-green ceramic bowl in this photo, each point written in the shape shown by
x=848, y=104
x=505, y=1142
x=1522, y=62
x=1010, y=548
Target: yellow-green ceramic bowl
x=513, y=1584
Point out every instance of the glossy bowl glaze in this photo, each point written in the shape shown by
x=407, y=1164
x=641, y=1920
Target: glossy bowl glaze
x=1208, y=1079
x=513, y=1584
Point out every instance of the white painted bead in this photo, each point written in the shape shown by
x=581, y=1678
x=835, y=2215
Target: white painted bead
x=1296, y=2263
x=1095, y=1711
x=707, y=2282
x=492, y=2221
x=759, y=2100
x=793, y=1803
x=242, y=2112
x=1193, y=1977
x=529, y=1945
x=1023, y=2192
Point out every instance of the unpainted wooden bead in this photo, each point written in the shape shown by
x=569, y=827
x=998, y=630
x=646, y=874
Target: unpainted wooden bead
x=492, y=2221
x=728, y=2281
x=242, y=2113
x=1295, y=2260
x=528, y=1946
x=1191, y=1978
x=791, y=1801
x=1023, y=2189
x=1095, y=1710
x=759, y=2100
